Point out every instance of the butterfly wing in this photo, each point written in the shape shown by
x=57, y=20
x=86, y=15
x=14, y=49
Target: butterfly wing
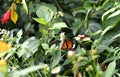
x=66, y=44
x=69, y=44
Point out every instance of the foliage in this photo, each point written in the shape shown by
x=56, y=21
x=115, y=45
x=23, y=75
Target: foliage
x=37, y=30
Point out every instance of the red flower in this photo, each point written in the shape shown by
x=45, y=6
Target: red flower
x=6, y=17
x=82, y=37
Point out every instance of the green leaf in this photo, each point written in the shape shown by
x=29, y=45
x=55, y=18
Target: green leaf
x=57, y=57
x=107, y=13
x=10, y=53
x=29, y=70
x=112, y=21
x=111, y=59
x=93, y=27
x=58, y=25
x=106, y=29
x=111, y=17
x=51, y=49
x=19, y=34
x=45, y=46
x=105, y=4
x=108, y=38
x=28, y=48
x=46, y=12
x=52, y=7
x=67, y=61
x=110, y=70
x=87, y=5
x=116, y=13
x=118, y=74
x=78, y=23
x=41, y=21
x=43, y=30
x=83, y=63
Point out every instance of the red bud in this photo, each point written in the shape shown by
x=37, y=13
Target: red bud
x=6, y=17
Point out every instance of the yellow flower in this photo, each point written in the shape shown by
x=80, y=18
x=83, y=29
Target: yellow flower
x=4, y=47
x=3, y=62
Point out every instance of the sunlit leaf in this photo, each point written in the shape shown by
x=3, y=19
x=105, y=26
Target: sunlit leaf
x=111, y=17
x=104, y=16
x=110, y=69
x=25, y=5
x=40, y=20
x=45, y=46
x=19, y=34
x=116, y=13
x=58, y=25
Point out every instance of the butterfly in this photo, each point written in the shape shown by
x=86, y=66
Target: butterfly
x=66, y=45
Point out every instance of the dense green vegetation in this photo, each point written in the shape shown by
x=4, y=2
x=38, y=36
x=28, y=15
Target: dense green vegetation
x=59, y=38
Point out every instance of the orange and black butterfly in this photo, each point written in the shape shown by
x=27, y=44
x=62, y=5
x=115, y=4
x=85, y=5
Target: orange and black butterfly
x=66, y=45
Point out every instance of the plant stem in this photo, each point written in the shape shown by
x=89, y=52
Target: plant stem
x=59, y=7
